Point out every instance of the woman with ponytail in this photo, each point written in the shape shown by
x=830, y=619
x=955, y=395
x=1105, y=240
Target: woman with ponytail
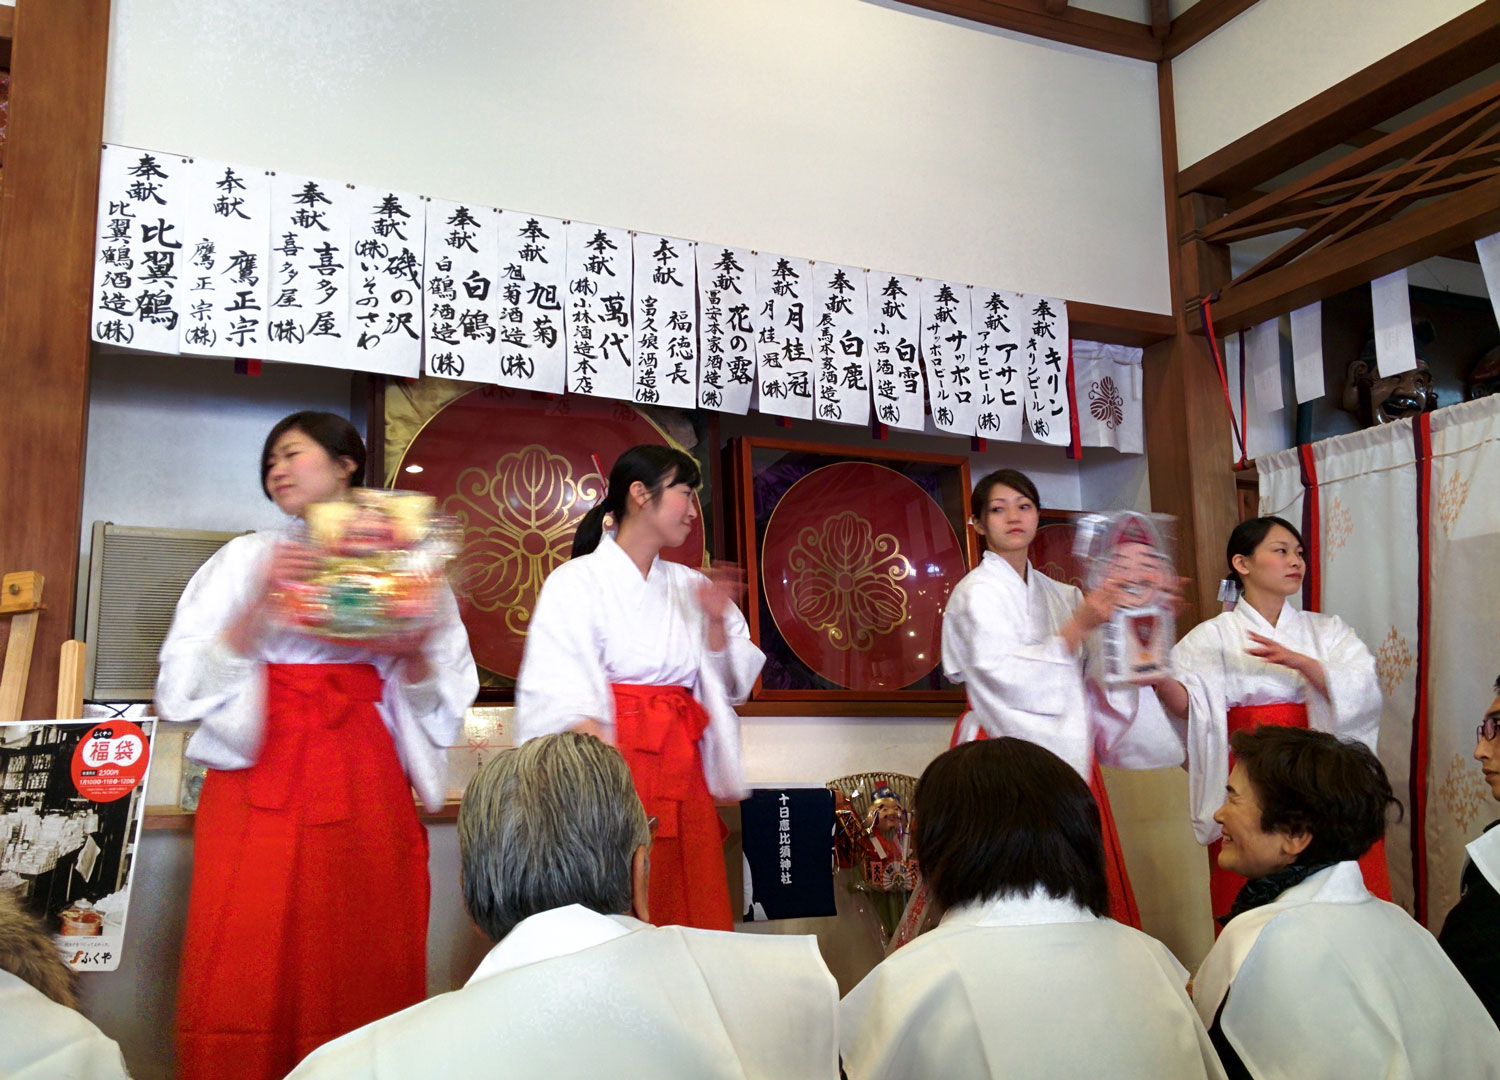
x=1267, y=663
x=652, y=656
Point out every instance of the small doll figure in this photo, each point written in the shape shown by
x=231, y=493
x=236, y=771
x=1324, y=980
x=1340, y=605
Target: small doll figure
x=1127, y=550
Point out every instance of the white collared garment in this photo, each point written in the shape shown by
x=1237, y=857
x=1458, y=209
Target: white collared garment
x=42, y=1040
x=1329, y=983
x=202, y=679
x=599, y=622
x=1026, y=987
x=1484, y=853
x=1218, y=673
x=570, y=992
x=1000, y=639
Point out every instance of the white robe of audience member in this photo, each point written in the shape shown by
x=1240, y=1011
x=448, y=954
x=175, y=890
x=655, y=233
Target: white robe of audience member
x=1329, y=983
x=1000, y=639
x=202, y=679
x=1218, y=673
x=599, y=622
x=42, y=1040
x=570, y=992
x=1026, y=987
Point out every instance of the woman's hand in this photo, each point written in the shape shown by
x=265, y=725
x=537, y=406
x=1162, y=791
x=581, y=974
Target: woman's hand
x=1274, y=652
x=1098, y=605
x=716, y=596
x=290, y=562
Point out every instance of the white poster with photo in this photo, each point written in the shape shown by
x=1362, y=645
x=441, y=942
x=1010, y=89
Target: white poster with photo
x=460, y=340
x=226, y=250
x=533, y=289
x=947, y=352
x=665, y=371
x=841, y=333
x=387, y=237
x=308, y=318
x=139, y=253
x=72, y=797
x=895, y=367
x=997, y=322
x=726, y=295
x=1045, y=325
x=783, y=293
x=600, y=342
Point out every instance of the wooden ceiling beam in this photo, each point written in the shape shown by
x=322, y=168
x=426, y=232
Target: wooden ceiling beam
x=1118, y=326
x=1198, y=21
x=1161, y=19
x=1460, y=48
x=1071, y=26
x=1436, y=228
x=1055, y=7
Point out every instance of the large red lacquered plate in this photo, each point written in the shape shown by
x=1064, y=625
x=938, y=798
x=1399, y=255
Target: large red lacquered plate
x=1051, y=552
x=857, y=563
x=518, y=474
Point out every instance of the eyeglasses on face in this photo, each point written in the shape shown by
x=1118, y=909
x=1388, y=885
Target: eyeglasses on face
x=1487, y=730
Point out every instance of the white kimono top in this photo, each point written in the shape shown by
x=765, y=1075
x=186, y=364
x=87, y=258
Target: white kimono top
x=1213, y=666
x=572, y=993
x=202, y=679
x=598, y=622
x=1026, y=987
x=1329, y=983
x=1001, y=640
x=42, y=1040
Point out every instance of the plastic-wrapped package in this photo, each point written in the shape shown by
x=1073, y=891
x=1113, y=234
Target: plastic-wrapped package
x=1132, y=551
x=383, y=556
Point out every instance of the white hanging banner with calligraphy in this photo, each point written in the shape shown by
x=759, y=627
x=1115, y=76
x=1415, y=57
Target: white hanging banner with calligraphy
x=600, y=343
x=308, y=318
x=1045, y=325
x=998, y=316
x=947, y=351
x=139, y=254
x=224, y=280
x=665, y=371
x=726, y=296
x=460, y=340
x=895, y=369
x=387, y=237
x=1395, y=343
x=783, y=291
x=533, y=289
x=841, y=334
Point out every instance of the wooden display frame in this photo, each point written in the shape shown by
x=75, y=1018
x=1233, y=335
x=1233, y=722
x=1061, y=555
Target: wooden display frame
x=744, y=547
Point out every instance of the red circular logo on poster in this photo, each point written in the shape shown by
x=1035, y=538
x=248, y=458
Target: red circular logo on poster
x=858, y=562
x=110, y=761
x=518, y=473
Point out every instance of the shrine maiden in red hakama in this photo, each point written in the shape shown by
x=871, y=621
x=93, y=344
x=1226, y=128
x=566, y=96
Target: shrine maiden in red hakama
x=308, y=911
x=1240, y=669
x=1015, y=643
x=627, y=655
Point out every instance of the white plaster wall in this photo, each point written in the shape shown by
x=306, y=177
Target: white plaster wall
x=843, y=130
x=1279, y=53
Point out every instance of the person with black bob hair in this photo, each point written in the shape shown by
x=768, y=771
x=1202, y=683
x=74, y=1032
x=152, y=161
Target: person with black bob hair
x=1267, y=662
x=313, y=749
x=652, y=656
x=1313, y=976
x=1017, y=640
x=1008, y=837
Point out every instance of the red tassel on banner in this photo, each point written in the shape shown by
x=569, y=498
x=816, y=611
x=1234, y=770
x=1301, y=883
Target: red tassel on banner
x=878, y=431
x=978, y=445
x=1075, y=448
x=784, y=421
x=247, y=367
x=1213, y=345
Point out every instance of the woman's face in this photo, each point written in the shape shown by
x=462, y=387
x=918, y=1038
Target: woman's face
x=669, y=515
x=1246, y=848
x=1275, y=566
x=1009, y=522
x=301, y=473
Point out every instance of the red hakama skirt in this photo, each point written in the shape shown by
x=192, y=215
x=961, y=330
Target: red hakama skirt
x=1224, y=885
x=657, y=729
x=308, y=911
x=1122, y=907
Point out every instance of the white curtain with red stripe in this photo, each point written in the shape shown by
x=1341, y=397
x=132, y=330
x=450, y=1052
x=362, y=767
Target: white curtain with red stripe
x=1367, y=563
x=1464, y=652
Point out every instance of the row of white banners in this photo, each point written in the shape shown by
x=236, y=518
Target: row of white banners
x=217, y=259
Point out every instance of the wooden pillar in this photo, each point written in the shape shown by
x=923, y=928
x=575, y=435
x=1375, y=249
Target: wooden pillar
x=1188, y=443
x=47, y=202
